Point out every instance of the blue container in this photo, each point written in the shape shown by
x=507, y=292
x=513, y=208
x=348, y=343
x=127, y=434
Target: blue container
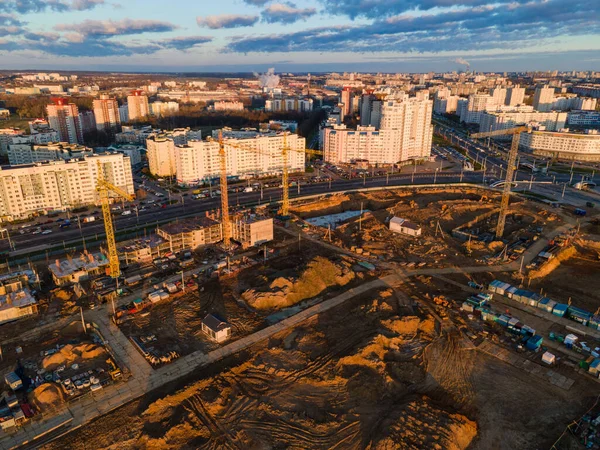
x=534, y=342
x=503, y=320
x=594, y=322
x=560, y=309
x=579, y=315
x=543, y=302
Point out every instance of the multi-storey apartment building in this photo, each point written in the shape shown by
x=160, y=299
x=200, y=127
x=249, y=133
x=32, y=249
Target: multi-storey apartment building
x=106, y=110
x=27, y=153
x=59, y=185
x=6, y=137
x=137, y=106
x=515, y=96
x=161, y=149
x=563, y=145
x=405, y=133
x=552, y=120
x=64, y=117
x=543, y=98
x=260, y=155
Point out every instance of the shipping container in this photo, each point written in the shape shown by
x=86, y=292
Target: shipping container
x=503, y=320
x=510, y=291
x=594, y=367
x=560, y=309
x=579, y=315
x=534, y=342
x=550, y=306
x=594, y=322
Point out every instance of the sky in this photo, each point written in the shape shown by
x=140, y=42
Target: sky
x=300, y=35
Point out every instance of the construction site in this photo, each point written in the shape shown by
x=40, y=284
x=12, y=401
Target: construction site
x=421, y=317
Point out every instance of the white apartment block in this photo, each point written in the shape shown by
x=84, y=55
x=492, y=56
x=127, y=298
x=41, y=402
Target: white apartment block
x=28, y=153
x=574, y=103
x=543, y=99
x=59, y=185
x=405, y=133
x=261, y=155
x=289, y=104
x=588, y=90
x=6, y=137
x=227, y=106
x=65, y=118
x=137, y=106
x=106, y=111
x=161, y=155
x=492, y=121
x=563, y=145
x=160, y=109
x=476, y=106
x=499, y=95
x=445, y=105
x=515, y=96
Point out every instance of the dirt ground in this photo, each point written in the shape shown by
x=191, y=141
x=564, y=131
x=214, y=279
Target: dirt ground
x=438, y=213
x=376, y=373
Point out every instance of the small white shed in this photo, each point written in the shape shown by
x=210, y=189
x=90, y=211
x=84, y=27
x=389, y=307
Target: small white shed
x=400, y=225
x=215, y=328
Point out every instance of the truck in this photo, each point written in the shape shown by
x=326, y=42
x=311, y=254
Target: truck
x=170, y=287
x=89, y=219
x=248, y=189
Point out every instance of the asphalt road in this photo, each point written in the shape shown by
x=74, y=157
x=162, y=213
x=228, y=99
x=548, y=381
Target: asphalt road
x=200, y=206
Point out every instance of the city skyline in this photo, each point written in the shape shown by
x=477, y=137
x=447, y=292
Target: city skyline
x=333, y=35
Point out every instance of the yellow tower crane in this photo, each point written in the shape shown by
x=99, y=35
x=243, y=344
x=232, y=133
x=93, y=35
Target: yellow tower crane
x=285, y=203
x=510, y=170
x=104, y=187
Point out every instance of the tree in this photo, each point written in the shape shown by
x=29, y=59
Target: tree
x=141, y=194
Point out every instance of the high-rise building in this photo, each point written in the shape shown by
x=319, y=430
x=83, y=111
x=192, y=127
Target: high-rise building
x=367, y=103
x=59, y=185
x=6, y=138
x=137, y=106
x=492, y=121
x=346, y=99
x=498, y=95
x=543, y=99
x=515, y=96
x=161, y=155
x=563, y=145
x=106, y=110
x=478, y=103
x=405, y=132
x=64, y=117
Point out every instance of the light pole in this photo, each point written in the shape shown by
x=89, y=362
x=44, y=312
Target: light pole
x=563, y=192
x=364, y=179
x=435, y=175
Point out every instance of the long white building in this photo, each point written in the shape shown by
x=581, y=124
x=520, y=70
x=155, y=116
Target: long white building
x=492, y=121
x=405, y=133
x=161, y=150
x=27, y=153
x=563, y=145
x=59, y=185
x=261, y=155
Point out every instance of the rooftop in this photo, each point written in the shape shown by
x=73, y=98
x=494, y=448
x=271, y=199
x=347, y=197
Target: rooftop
x=17, y=299
x=215, y=323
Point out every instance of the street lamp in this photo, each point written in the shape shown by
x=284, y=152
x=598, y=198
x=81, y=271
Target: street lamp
x=435, y=175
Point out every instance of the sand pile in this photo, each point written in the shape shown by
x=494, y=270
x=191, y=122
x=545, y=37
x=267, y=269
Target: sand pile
x=319, y=275
x=419, y=424
x=70, y=354
x=46, y=396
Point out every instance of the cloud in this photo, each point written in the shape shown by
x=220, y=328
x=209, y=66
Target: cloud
x=185, y=42
x=107, y=28
x=226, y=21
x=38, y=6
x=257, y=2
x=500, y=26
x=286, y=13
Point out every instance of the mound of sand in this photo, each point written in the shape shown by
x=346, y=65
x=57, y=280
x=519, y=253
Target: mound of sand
x=46, y=396
x=319, y=275
x=70, y=354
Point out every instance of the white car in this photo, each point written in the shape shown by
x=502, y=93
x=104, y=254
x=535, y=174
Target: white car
x=46, y=231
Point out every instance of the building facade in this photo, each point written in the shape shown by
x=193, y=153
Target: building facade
x=27, y=153
x=552, y=120
x=64, y=117
x=137, y=106
x=543, y=98
x=563, y=145
x=59, y=185
x=584, y=118
x=106, y=110
x=260, y=155
x=6, y=138
x=161, y=155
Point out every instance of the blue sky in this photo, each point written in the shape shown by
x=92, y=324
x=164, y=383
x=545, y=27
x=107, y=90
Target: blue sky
x=295, y=35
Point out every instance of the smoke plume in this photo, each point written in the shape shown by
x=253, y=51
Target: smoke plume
x=268, y=79
x=462, y=62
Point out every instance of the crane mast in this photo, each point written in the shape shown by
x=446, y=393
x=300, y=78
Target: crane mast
x=510, y=171
x=225, y=220
x=285, y=204
x=103, y=187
